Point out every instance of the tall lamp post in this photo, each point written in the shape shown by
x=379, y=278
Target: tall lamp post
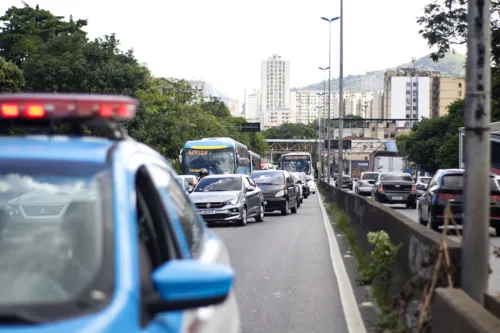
x=324, y=69
x=319, y=145
x=329, y=20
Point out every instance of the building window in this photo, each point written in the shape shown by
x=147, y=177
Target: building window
x=407, y=92
x=460, y=93
x=407, y=108
x=460, y=84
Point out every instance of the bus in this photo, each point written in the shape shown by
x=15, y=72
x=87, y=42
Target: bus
x=297, y=162
x=256, y=163
x=495, y=148
x=217, y=155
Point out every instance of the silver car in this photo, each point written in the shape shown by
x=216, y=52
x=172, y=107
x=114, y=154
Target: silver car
x=365, y=183
x=229, y=198
x=421, y=184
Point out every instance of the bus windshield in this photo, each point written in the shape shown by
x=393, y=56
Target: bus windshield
x=216, y=161
x=297, y=163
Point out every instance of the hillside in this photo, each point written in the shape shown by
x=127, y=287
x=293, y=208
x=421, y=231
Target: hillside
x=451, y=65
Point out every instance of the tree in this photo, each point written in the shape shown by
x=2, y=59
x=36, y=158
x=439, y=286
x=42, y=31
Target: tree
x=292, y=131
x=26, y=29
x=444, y=24
x=70, y=63
x=11, y=77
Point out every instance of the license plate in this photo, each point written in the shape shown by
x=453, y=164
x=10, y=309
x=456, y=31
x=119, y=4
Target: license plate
x=397, y=198
x=265, y=202
x=207, y=212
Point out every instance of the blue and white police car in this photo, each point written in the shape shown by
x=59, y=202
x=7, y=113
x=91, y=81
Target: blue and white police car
x=96, y=235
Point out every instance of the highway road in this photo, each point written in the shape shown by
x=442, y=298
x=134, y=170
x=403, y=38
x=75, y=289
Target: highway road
x=286, y=282
x=494, y=280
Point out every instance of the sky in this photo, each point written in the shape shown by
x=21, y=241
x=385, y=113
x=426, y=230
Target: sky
x=224, y=41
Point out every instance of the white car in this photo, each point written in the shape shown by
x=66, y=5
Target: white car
x=311, y=184
x=365, y=183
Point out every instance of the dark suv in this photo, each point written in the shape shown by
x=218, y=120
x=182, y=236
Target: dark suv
x=395, y=188
x=279, y=190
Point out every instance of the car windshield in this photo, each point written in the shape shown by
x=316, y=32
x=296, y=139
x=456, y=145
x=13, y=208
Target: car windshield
x=395, y=177
x=219, y=184
x=268, y=178
x=457, y=181
x=217, y=161
x=369, y=176
x=297, y=163
x=425, y=180
x=51, y=220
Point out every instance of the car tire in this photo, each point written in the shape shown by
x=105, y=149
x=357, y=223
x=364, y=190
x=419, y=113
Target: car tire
x=431, y=224
x=260, y=216
x=301, y=200
x=293, y=210
x=285, y=210
x=414, y=205
x=420, y=219
x=244, y=217
x=298, y=202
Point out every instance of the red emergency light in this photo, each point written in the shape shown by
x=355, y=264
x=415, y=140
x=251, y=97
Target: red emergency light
x=66, y=106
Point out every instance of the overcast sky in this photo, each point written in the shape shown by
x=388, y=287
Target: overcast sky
x=224, y=41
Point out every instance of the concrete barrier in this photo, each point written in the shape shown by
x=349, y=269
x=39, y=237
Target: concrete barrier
x=414, y=261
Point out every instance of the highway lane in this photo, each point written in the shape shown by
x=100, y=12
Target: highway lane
x=285, y=281
x=494, y=280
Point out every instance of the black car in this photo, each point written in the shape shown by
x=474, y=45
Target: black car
x=279, y=190
x=395, y=188
x=447, y=185
x=228, y=198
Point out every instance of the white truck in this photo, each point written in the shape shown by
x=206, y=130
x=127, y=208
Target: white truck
x=384, y=161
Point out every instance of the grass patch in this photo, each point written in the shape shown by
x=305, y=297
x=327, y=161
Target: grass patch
x=373, y=268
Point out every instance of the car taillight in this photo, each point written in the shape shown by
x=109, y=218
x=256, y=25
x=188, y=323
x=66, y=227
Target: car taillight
x=380, y=188
x=495, y=198
x=413, y=189
x=447, y=196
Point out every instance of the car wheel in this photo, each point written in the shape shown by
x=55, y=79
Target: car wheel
x=430, y=223
x=243, y=221
x=414, y=205
x=301, y=200
x=260, y=216
x=285, y=210
x=298, y=202
x=293, y=210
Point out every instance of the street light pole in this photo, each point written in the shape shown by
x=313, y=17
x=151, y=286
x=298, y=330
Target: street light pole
x=477, y=116
x=320, y=152
x=324, y=69
x=328, y=130
x=341, y=98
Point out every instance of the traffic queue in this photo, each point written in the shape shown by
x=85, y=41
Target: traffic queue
x=234, y=198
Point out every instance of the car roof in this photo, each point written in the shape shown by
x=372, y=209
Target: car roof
x=62, y=148
x=269, y=171
x=226, y=175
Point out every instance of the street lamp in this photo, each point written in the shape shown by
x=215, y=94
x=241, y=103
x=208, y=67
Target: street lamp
x=324, y=69
x=329, y=20
x=320, y=143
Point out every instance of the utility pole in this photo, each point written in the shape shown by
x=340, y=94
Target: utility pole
x=329, y=127
x=341, y=99
x=324, y=69
x=475, y=250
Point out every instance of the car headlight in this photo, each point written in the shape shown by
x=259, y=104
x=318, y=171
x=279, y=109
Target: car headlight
x=280, y=194
x=232, y=201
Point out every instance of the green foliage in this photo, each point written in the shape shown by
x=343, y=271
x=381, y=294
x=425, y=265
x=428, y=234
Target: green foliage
x=43, y=53
x=444, y=24
x=292, y=131
x=11, y=77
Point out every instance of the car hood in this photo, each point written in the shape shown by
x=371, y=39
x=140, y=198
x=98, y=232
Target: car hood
x=268, y=189
x=213, y=196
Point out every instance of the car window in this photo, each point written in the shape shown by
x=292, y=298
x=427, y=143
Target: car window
x=395, y=177
x=425, y=180
x=191, y=226
x=268, y=178
x=369, y=176
x=219, y=184
x=456, y=181
x=245, y=182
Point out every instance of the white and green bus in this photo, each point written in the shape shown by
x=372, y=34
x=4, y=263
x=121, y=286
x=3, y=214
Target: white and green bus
x=297, y=162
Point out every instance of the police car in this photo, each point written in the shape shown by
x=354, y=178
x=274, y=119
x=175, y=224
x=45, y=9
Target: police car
x=96, y=235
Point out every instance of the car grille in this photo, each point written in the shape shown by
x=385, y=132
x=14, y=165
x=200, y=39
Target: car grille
x=42, y=210
x=392, y=187
x=212, y=204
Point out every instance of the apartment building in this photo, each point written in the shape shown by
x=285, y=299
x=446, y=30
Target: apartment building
x=205, y=90
x=253, y=108
x=444, y=91
x=275, y=91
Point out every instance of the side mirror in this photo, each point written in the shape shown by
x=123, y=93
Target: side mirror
x=188, y=284
x=250, y=189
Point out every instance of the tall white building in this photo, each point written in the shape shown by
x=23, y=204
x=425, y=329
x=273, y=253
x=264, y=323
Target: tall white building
x=410, y=98
x=275, y=92
x=252, y=108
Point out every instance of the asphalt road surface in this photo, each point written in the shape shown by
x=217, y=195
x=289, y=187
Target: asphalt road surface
x=285, y=280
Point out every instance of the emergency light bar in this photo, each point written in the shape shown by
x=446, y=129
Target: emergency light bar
x=32, y=106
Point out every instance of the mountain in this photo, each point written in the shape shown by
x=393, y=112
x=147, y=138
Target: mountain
x=451, y=65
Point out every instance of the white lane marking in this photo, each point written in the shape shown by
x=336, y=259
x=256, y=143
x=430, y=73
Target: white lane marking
x=352, y=314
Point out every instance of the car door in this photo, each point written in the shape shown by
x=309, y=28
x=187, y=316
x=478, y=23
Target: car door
x=259, y=194
x=426, y=198
x=250, y=197
x=292, y=191
x=202, y=245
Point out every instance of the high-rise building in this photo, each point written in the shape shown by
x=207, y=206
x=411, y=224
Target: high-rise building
x=252, y=106
x=275, y=92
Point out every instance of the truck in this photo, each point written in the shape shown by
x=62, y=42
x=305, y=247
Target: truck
x=385, y=161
